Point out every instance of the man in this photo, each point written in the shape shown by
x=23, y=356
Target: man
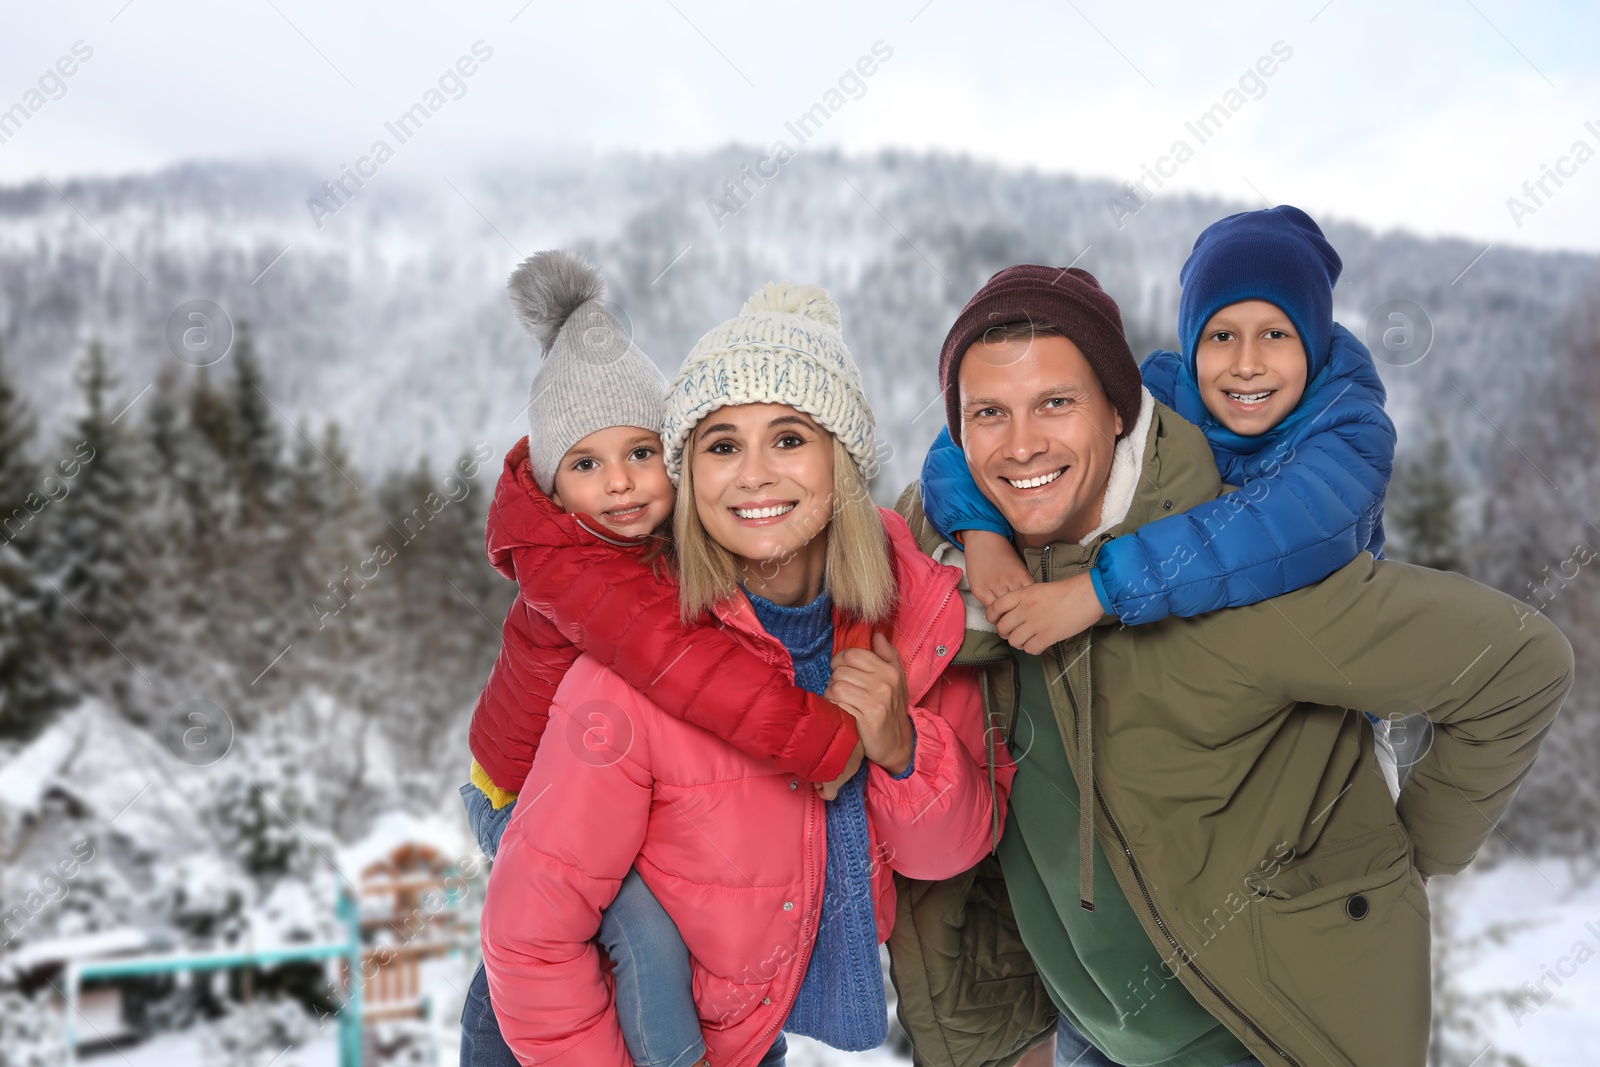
x=1201, y=858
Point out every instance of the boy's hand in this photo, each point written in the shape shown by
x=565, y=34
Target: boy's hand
x=829, y=790
x=872, y=687
x=1034, y=618
x=993, y=566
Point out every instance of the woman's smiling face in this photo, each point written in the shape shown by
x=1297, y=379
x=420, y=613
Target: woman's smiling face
x=763, y=482
x=1251, y=366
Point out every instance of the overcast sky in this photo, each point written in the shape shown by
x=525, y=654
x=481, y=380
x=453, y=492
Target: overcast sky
x=1426, y=116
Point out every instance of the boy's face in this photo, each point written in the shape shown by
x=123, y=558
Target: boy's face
x=1039, y=435
x=617, y=477
x=1251, y=366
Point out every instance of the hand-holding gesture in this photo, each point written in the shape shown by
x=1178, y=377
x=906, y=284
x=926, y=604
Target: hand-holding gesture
x=1039, y=615
x=871, y=685
x=829, y=790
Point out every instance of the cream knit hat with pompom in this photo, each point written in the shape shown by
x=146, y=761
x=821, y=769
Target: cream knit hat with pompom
x=784, y=347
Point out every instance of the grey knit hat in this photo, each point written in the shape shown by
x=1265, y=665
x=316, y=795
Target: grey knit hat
x=784, y=347
x=594, y=376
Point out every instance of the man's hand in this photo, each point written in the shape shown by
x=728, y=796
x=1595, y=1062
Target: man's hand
x=872, y=687
x=1036, y=617
x=829, y=790
x=993, y=566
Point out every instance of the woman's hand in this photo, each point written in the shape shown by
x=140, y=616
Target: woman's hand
x=871, y=686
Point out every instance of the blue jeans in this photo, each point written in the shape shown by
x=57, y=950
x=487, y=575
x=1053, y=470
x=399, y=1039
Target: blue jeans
x=486, y=823
x=655, y=1007
x=1075, y=1050
x=776, y=1054
x=1072, y=1048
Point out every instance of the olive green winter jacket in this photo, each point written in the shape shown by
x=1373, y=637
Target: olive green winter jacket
x=1235, y=793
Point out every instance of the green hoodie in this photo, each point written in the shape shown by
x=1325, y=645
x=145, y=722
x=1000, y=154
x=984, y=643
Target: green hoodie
x=1229, y=780
x=1098, y=966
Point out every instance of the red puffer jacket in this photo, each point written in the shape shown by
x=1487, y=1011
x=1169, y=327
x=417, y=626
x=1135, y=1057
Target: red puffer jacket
x=581, y=592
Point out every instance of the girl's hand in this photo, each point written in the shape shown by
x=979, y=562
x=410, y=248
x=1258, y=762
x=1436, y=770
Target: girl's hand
x=1035, y=618
x=872, y=687
x=829, y=790
x=993, y=566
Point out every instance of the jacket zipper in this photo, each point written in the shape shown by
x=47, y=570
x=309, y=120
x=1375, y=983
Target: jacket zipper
x=1144, y=890
x=765, y=1041
x=806, y=934
x=986, y=695
x=922, y=638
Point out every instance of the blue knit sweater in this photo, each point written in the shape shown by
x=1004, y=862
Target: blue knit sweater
x=841, y=1000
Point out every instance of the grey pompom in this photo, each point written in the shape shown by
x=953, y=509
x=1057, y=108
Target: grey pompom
x=548, y=287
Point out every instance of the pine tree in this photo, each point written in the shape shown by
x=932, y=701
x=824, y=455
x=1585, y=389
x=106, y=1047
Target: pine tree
x=30, y=684
x=259, y=576
x=164, y=422
x=210, y=415
x=1422, y=509
x=308, y=509
x=200, y=467
x=93, y=545
x=179, y=640
x=256, y=445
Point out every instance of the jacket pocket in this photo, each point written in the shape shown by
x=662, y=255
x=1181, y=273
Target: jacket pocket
x=724, y=1004
x=1346, y=960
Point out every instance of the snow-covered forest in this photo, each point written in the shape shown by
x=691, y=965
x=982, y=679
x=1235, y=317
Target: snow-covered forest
x=245, y=610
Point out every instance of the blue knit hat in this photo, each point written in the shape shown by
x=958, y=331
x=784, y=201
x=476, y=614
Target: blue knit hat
x=1278, y=255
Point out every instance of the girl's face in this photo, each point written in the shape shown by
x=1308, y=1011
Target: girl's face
x=763, y=483
x=617, y=477
x=1251, y=366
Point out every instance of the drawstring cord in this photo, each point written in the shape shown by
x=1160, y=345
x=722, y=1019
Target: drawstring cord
x=1086, y=785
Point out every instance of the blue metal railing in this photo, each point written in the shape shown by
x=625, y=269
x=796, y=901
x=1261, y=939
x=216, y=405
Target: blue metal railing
x=181, y=962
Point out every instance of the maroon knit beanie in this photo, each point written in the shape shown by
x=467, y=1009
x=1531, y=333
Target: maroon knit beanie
x=1071, y=301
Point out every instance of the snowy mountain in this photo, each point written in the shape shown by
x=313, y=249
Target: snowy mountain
x=389, y=313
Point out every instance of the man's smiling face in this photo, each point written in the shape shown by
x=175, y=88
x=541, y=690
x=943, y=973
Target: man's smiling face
x=1039, y=434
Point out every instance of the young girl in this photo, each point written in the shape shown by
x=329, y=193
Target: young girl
x=1292, y=406
x=578, y=521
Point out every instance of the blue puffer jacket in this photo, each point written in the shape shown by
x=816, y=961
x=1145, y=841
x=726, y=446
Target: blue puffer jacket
x=1311, y=497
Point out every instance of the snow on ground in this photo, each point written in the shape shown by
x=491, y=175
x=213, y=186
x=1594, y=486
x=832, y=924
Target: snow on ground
x=804, y=1052
x=1538, y=925
x=187, y=1049
x=1541, y=921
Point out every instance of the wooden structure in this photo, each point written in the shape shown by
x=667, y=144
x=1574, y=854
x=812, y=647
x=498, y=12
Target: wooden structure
x=411, y=912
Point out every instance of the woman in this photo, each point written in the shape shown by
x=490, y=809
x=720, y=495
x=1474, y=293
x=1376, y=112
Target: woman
x=782, y=898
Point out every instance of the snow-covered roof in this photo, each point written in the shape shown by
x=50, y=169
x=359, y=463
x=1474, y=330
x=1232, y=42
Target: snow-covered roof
x=120, y=776
x=26, y=778
x=57, y=950
x=395, y=829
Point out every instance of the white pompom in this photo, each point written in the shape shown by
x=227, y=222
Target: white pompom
x=810, y=301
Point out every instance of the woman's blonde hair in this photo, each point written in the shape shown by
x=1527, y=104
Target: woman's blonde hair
x=857, y=576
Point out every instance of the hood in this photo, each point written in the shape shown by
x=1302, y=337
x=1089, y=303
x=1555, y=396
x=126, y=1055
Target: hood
x=521, y=516
x=1349, y=369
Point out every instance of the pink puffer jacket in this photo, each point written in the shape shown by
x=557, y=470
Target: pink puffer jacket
x=733, y=848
